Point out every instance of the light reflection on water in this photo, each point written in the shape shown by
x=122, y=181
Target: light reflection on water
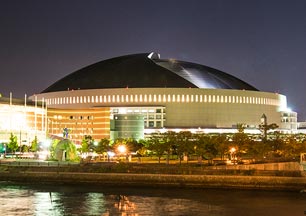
x=48, y=200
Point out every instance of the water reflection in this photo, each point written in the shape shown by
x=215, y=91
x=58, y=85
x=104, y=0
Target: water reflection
x=79, y=200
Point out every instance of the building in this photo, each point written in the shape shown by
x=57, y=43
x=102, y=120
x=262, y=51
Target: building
x=24, y=119
x=133, y=95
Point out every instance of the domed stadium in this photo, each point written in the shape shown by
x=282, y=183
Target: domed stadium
x=147, y=71
x=133, y=95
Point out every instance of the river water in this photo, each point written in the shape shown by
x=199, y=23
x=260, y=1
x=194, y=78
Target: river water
x=26, y=199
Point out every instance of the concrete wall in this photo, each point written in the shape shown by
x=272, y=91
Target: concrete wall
x=286, y=166
x=159, y=180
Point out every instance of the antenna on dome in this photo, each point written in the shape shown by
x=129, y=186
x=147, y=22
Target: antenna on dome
x=154, y=55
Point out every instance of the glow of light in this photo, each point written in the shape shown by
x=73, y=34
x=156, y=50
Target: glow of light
x=47, y=143
x=110, y=154
x=233, y=149
x=121, y=149
x=288, y=109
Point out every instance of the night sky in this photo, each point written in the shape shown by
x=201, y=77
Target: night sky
x=262, y=42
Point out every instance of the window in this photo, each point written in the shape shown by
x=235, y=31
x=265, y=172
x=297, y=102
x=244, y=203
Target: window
x=151, y=123
x=173, y=98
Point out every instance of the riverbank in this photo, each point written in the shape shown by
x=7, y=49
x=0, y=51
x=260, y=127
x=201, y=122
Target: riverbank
x=141, y=175
x=160, y=180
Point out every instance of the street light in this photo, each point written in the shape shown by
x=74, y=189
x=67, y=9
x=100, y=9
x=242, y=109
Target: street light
x=233, y=151
x=122, y=149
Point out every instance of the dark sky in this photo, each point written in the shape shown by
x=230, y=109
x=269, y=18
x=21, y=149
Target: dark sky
x=262, y=42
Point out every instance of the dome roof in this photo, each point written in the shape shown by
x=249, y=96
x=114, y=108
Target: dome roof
x=147, y=70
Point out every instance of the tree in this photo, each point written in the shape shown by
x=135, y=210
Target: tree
x=34, y=145
x=87, y=144
x=13, y=145
x=222, y=145
x=258, y=149
x=24, y=148
x=103, y=147
x=169, y=140
x=52, y=147
x=292, y=148
x=264, y=128
x=133, y=145
x=184, y=144
x=156, y=146
x=137, y=147
x=199, y=149
x=240, y=141
x=210, y=150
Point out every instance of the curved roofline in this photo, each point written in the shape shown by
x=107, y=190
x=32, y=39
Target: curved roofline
x=147, y=70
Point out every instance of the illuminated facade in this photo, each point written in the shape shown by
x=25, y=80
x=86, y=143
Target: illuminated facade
x=166, y=94
x=24, y=119
x=94, y=122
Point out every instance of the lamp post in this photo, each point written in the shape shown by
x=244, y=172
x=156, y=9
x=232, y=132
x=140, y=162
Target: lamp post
x=233, y=151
